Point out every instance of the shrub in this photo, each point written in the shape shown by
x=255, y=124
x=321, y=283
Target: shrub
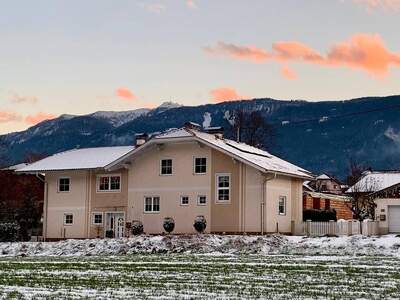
x=316, y=215
x=109, y=233
x=9, y=232
x=169, y=224
x=200, y=224
x=137, y=227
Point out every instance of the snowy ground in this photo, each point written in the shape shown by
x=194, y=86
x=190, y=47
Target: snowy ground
x=203, y=267
x=206, y=244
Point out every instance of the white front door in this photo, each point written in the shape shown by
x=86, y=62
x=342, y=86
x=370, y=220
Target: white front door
x=394, y=218
x=115, y=223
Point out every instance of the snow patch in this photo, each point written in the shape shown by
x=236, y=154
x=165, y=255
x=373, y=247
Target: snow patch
x=391, y=134
x=207, y=120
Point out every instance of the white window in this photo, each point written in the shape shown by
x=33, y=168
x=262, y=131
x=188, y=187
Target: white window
x=68, y=219
x=200, y=165
x=109, y=183
x=63, y=184
x=201, y=200
x=152, y=204
x=97, y=218
x=282, y=205
x=166, y=167
x=223, y=187
x=184, y=200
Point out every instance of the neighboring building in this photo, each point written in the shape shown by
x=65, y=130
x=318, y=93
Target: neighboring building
x=181, y=173
x=323, y=201
x=383, y=187
x=326, y=184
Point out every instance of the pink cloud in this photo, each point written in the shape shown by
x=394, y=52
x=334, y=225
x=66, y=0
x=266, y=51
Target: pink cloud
x=6, y=117
x=366, y=52
x=191, y=4
x=156, y=8
x=288, y=73
x=39, y=117
x=16, y=98
x=125, y=94
x=393, y=5
x=226, y=94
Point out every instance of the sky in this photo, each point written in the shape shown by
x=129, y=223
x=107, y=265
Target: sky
x=78, y=57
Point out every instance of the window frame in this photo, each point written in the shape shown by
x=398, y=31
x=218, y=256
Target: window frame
x=194, y=165
x=188, y=199
x=99, y=176
x=217, y=188
x=65, y=219
x=198, y=200
x=172, y=167
x=284, y=198
x=58, y=184
x=94, y=218
x=152, y=205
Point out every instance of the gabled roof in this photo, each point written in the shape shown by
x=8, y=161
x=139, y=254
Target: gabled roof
x=261, y=160
x=16, y=167
x=375, y=181
x=79, y=159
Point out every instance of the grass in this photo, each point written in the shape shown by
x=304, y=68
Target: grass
x=200, y=277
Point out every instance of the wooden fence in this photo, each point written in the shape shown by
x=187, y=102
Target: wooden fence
x=341, y=228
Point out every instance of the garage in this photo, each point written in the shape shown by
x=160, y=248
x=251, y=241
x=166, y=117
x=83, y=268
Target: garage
x=394, y=218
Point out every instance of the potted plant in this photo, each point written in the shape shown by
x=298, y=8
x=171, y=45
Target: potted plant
x=200, y=224
x=169, y=224
x=137, y=227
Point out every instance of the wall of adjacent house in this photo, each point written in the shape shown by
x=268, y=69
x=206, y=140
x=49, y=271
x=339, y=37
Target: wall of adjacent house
x=343, y=208
x=106, y=201
x=75, y=202
x=145, y=180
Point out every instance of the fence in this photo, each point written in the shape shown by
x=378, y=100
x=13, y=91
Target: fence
x=341, y=228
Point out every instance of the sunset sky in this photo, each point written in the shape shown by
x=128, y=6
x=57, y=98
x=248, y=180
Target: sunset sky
x=77, y=57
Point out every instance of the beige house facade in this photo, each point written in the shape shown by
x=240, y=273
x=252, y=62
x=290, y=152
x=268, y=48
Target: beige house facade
x=182, y=174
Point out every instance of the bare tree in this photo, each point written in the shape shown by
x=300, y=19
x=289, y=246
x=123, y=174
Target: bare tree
x=363, y=205
x=250, y=127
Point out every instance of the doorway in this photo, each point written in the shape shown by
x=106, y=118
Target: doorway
x=115, y=224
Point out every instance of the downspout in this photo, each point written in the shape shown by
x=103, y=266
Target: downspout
x=264, y=200
x=45, y=206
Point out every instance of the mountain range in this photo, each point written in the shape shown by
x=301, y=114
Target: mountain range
x=320, y=136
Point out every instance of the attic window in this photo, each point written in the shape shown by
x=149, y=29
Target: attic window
x=63, y=184
x=200, y=165
x=166, y=167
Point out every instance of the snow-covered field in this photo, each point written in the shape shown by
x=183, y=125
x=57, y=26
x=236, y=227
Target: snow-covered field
x=203, y=267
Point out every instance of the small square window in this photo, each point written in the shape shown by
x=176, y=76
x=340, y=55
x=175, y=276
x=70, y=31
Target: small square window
x=184, y=200
x=200, y=165
x=63, y=184
x=97, y=218
x=201, y=200
x=68, y=219
x=282, y=206
x=166, y=167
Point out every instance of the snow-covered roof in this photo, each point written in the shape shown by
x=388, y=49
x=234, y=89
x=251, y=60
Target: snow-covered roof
x=329, y=196
x=375, y=181
x=78, y=159
x=306, y=184
x=16, y=167
x=258, y=158
x=323, y=177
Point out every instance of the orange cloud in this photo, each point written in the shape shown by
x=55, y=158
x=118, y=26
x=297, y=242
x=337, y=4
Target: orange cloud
x=362, y=51
x=125, y=94
x=15, y=98
x=288, y=73
x=6, y=117
x=39, y=117
x=380, y=4
x=225, y=94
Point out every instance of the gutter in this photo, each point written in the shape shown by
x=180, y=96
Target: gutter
x=264, y=199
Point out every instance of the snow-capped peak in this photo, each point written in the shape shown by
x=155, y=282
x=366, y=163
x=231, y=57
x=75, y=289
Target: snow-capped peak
x=169, y=105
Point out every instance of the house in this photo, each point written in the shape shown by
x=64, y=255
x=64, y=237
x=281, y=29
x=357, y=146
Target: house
x=324, y=201
x=383, y=188
x=180, y=173
x=324, y=193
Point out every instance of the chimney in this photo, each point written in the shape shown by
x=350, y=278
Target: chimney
x=192, y=125
x=141, y=138
x=217, y=131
